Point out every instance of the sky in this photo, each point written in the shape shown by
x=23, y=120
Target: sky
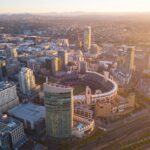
x=44, y=6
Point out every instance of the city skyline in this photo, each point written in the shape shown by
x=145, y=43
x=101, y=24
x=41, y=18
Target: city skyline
x=74, y=74
x=38, y=6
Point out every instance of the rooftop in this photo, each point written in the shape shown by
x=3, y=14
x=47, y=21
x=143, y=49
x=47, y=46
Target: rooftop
x=59, y=86
x=8, y=124
x=5, y=85
x=28, y=111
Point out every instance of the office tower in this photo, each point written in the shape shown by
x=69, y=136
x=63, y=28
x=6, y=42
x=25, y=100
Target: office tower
x=54, y=65
x=48, y=64
x=34, y=64
x=83, y=66
x=12, y=67
x=8, y=96
x=59, y=110
x=26, y=80
x=87, y=38
x=130, y=58
x=60, y=64
x=11, y=52
x=126, y=60
x=63, y=55
x=14, y=53
x=125, y=64
x=12, y=134
x=79, y=41
x=3, y=72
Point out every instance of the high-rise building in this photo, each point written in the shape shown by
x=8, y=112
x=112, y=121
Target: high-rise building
x=83, y=67
x=34, y=64
x=87, y=38
x=130, y=58
x=12, y=52
x=79, y=41
x=63, y=55
x=54, y=65
x=8, y=96
x=12, y=134
x=3, y=72
x=126, y=60
x=59, y=110
x=26, y=80
x=12, y=66
x=125, y=64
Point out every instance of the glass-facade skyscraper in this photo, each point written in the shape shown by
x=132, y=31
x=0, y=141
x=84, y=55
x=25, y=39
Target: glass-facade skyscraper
x=87, y=38
x=26, y=80
x=59, y=110
x=126, y=60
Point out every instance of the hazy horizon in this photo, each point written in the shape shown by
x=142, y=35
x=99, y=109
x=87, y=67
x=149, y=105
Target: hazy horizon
x=64, y=6
x=75, y=13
